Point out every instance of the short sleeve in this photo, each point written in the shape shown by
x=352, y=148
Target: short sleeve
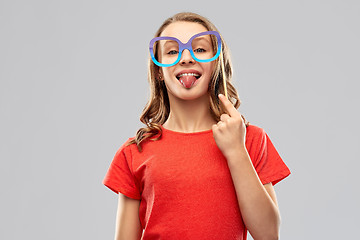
x=119, y=177
x=269, y=165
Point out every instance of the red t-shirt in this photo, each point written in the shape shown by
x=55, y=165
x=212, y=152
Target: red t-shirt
x=185, y=185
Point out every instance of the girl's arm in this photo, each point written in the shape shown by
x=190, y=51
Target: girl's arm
x=258, y=204
x=128, y=226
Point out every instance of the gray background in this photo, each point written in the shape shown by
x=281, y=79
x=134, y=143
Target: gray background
x=73, y=85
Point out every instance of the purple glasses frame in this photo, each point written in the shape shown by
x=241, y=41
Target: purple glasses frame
x=183, y=46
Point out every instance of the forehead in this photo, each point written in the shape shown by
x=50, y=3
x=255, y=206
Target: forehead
x=183, y=30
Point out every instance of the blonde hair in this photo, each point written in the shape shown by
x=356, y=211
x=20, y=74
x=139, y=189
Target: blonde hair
x=157, y=109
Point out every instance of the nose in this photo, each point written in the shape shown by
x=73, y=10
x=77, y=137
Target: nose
x=186, y=57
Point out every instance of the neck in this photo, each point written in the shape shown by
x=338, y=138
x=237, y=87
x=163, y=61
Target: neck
x=189, y=115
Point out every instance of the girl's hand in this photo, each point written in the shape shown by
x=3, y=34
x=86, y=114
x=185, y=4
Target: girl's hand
x=229, y=133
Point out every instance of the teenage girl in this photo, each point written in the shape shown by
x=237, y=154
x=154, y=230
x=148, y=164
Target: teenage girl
x=198, y=170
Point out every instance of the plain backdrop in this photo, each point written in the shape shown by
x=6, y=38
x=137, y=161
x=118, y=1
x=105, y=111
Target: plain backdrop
x=73, y=84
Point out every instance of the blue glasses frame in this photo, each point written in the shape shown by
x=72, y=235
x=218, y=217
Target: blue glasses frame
x=183, y=46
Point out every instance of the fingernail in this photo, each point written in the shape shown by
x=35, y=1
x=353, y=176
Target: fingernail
x=220, y=95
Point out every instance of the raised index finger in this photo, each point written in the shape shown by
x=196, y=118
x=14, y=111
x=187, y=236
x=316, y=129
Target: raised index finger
x=228, y=106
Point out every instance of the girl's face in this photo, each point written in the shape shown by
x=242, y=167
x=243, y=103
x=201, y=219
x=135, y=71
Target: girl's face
x=172, y=75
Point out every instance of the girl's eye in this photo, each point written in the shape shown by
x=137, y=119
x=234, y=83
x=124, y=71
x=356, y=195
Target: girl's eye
x=173, y=52
x=200, y=50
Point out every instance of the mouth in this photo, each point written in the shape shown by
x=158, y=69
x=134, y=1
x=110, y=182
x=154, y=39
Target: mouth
x=197, y=76
x=188, y=77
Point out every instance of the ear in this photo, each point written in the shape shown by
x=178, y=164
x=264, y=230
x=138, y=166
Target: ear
x=160, y=75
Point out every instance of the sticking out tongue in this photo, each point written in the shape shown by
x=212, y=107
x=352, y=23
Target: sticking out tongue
x=187, y=81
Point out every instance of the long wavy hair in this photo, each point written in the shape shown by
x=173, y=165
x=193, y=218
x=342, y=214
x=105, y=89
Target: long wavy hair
x=157, y=109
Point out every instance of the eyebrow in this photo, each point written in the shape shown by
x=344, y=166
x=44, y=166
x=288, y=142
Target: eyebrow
x=203, y=38
x=169, y=42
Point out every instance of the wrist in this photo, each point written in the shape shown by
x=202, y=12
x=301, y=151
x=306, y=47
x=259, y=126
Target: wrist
x=237, y=153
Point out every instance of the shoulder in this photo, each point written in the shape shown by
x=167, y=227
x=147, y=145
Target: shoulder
x=125, y=147
x=255, y=138
x=254, y=131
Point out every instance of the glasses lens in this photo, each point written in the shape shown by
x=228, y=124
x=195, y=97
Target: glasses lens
x=166, y=51
x=203, y=46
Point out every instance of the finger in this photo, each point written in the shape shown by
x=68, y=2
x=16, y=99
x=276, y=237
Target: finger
x=224, y=117
x=228, y=105
x=220, y=123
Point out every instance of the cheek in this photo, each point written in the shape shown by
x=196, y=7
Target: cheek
x=168, y=71
x=208, y=68
x=165, y=73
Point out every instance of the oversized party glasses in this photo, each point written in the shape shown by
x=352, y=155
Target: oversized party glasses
x=170, y=49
